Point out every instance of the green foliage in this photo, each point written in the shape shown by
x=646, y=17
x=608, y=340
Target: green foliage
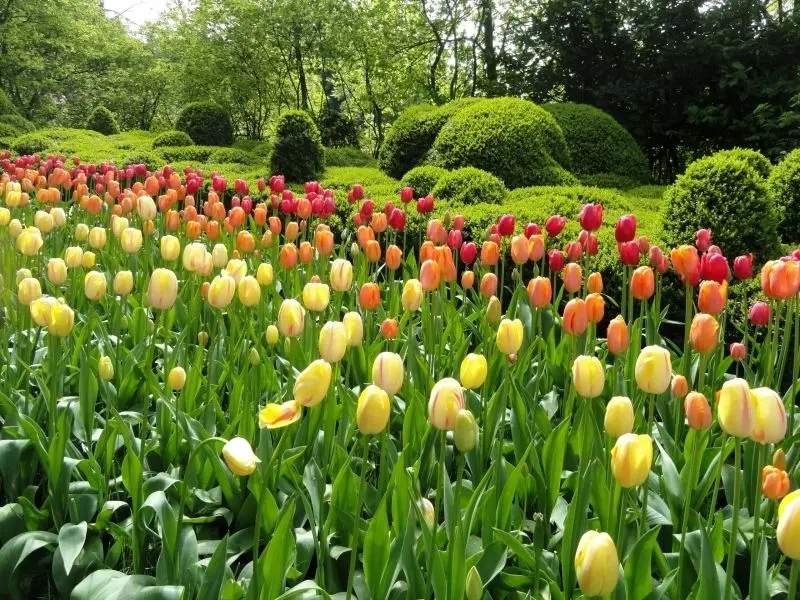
x=516, y=140
x=233, y=155
x=728, y=196
x=152, y=159
x=348, y=157
x=413, y=133
x=207, y=123
x=186, y=153
x=21, y=124
x=6, y=106
x=597, y=143
x=784, y=186
x=469, y=185
x=31, y=143
x=757, y=161
x=8, y=131
x=423, y=179
x=343, y=178
x=103, y=121
x=297, y=151
x=609, y=180
x=337, y=129
x=172, y=138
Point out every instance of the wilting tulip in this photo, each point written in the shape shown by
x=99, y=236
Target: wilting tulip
x=595, y=308
x=631, y=459
x=176, y=379
x=788, y=532
x=774, y=482
x=596, y=564
x=312, y=383
x=680, y=387
x=594, y=284
x=743, y=266
x=355, y=328
x=290, y=318
x=369, y=296
x=446, y=400
x=388, y=372
x=264, y=274
x=332, y=341
x=617, y=338
x=619, y=416
x=698, y=411
x=509, y=336
x=249, y=291
x=373, y=410
x=738, y=351
x=573, y=277
x=94, y=285
x=316, y=296
x=760, y=314
x=465, y=432
x=643, y=283
x=473, y=371
x=540, y=292
x=105, y=368
x=28, y=290
x=588, y=376
x=170, y=248
x=780, y=279
x=275, y=416
x=685, y=262
x=123, y=283
x=239, y=456
x=131, y=240
x=575, y=318
x=653, y=370
x=735, y=410
x=704, y=332
x=769, y=426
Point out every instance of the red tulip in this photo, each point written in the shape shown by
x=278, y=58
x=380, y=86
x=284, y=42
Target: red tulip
x=276, y=183
x=397, y=219
x=260, y=184
x=455, y=239
x=591, y=216
x=574, y=251
x=532, y=229
x=555, y=259
x=625, y=229
x=644, y=244
x=388, y=208
x=702, y=239
x=591, y=245
x=714, y=267
x=366, y=209
x=629, y=253
x=555, y=224
x=458, y=222
x=468, y=253
x=358, y=191
x=743, y=266
x=406, y=195
x=240, y=187
x=505, y=226
x=759, y=313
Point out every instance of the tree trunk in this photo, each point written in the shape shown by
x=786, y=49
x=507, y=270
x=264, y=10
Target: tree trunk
x=301, y=73
x=489, y=54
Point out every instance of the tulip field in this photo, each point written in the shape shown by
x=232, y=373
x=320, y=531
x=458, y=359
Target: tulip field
x=278, y=393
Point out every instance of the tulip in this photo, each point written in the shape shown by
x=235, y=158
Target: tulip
x=509, y=336
x=594, y=284
x=271, y=335
x=94, y=285
x=685, y=262
x=105, y=368
x=193, y=256
x=73, y=257
x=490, y=254
x=702, y=239
x=162, y=290
x=465, y=433
x=779, y=459
x=291, y=318
x=780, y=279
x=170, y=248
x=760, y=313
x=264, y=274
x=788, y=532
x=88, y=260
x=312, y=383
x=643, y=283
x=468, y=253
x=519, y=249
x=714, y=267
x=555, y=225
x=123, y=283
x=221, y=291
x=411, y=298
x=473, y=371
x=712, y=297
x=235, y=268
x=735, y=410
x=341, y=277
x=239, y=456
x=118, y=225
x=388, y=372
x=629, y=253
x=596, y=564
x=653, y=370
x=369, y=297
x=540, y=292
x=631, y=459
x=625, y=229
x=555, y=260
x=446, y=400
x=430, y=275
x=275, y=416
x=493, y=311
x=488, y=286
x=619, y=416
x=61, y=320
x=146, y=208
x=617, y=338
x=588, y=376
x=354, y=327
x=332, y=341
x=249, y=291
x=176, y=379
x=316, y=296
x=43, y=221
x=774, y=482
x=97, y=237
x=769, y=426
x=373, y=410
x=131, y=240
x=467, y=280
x=738, y=351
x=219, y=255
x=41, y=309
x=704, y=332
x=680, y=387
x=573, y=277
x=743, y=266
x=574, y=251
x=698, y=411
x=575, y=317
x=29, y=241
x=595, y=308
x=591, y=216
x=28, y=290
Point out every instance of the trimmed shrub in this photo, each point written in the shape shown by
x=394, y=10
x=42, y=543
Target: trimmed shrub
x=469, y=185
x=31, y=143
x=102, y=121
x=233, y=155
x=297, y=151
x=5, y=143
x=754, y=158
x=18, y=122
x=728, y=196
x=337, y=129
x=413, y=133
x=151, y=159
x=597, y=142
x=186, y=153
x=343, y=178
x=207, y=123
x=348, y=157
x=423, y=179
x=784, y=186
x=516, y=140
x=609, y=180
x=172, y=138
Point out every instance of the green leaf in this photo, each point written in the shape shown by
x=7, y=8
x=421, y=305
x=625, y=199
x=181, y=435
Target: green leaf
x=107, y=584
x=71, y=539
x=376, y=549
x=638, y=572
x=553, y=458
x=712, y=576
x=279, y=555
x=574, y=527
x=20, y=547
x=215, y=573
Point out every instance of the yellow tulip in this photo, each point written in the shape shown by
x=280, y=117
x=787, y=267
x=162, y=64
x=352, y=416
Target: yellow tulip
x=62, y=318
x=29, y=241
x=73, y=256
x=239, y=456
x=373, y=410
x=254, y=357
x=59, y=216
x=41, y=310
x=28, y=290
x=236, y=268
x=219, y=255
x=94, y=285
x=170, y=248
x=446, y=400
x=509, y=336
x=341, y=275
x=206, y=267
x=316, y=296
x=97, y=238
x=275, y=416
x=619, y=416
x=56, y=271
x=332, y=341
x=105, y=368
x=162, y=289
x=15, y=229
x=291, y=318
x=735, y=410
x=272, y=335
x=473, y=371
x=653, y=370
x=221, y=291
x=43, y=221
x=194, y=255
x=5, y=216
x=631, y=459
x=312, y=383
x=493, y=311
x=465, y=433
x=123, y=283
x=388, y=372
x=769, y=426
x=176, y=378
x=249, y=291
x=23, y=274
x=412, y=295
x=264, y=274
x=355, y=328
x=131, y=240
x=596, y=564
x=88, y=260
x=146, y=207
x=788, y=532
x=14, y=198
x=589, y=376
x=118, y=225
x=81, y=232
x=428, y=512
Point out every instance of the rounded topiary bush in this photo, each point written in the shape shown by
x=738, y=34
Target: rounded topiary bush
x=31, y=143
x=728, y=196
x=233, y=155
x=102, y=121
x=207, y=124
x=597, y=142
x=469, y=185
x=516, y=140
x=423, y=179
x=146, y=157
x=784, y=186
x=297, y=151
x=754, y=158
x=412, y=134
x=172, y=138
x=18, y=122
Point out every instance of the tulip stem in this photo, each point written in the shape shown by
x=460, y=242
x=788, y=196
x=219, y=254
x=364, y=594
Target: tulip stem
x=737, y=459
x=718, y=471
x=357, y=517
x=794, y=580
x=687, y=503
x=618, y=541
x=795, y=372
x=645, y=493
x=759, y=460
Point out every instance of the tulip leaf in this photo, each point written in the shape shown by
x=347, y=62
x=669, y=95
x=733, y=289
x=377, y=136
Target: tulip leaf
x=71, y=539
x=376, y=549
x=638, y=571
x=553, y=457
x=574, y=527
x=279, y=555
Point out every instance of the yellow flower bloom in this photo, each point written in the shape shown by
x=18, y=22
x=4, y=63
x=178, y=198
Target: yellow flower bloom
x=73, y=256
x=465, y=433
x=176, y=379
x=219, y=255
x=239, y=456
x=388, y=372
x=275, y=416
x=312, y=383
x=355, y=328
x=341, y=275
x=162, y=289
x=509, y=336
x=170, y=248
x=28, y=290
x=264, y=274
x=131, y=240
x=146, y=207
x=446, y=400
x=88, y=260
x=412, y=295
x=29, y=241
x=631, y=459
x=56, y=271
x=473, y=371
x=316, y=296
x=788, y=532
x=589, y=376
x=41, y=310
x=118, y=225
x=43, y=221
x=373, y=410
x=619, y=416
x=735, y=410
x=94, y=285
x=769, y=426
x=194, y=255
x=653, y=370
x=249, y=291
x=272, y=335
x=123, y=283
x=62, y=319
x=105, y=368
x=596, y=564
x=332, y=341
x=236, y=268
x=97, y=238
x=291, y=318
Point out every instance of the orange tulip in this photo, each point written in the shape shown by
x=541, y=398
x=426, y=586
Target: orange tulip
x=467, y=280
x=698, y=411
x=172, y=220
x=643, y=283
x=436, y=231
x=685, y=261
x=217, y=211
x=594, y=285
x=324, y=242
x=369, y=297
x=389, y=329
x=680, y=387
x=372, y=251
x=151, y=185
x=394, y=256
x=305, y=253
x=292, y=230
x=490, y=253
x=774, y=482
x=260, y=216
x=712, y=297
x=379, y=222
x=519, y=249
x=364, y=234
x=237, y=216
x=595, y=308
x=192, y=230
x=780, y=279
x=575, y=319
x=245, y=242
x=536, y=247
x=540, y=291
x=617, y=338
x=288, y=256
x=275, y=225
x=573, y=277
x=488, y=285
x=430, y=275
x=426, y=251
x=212, y=230
x=704, y=332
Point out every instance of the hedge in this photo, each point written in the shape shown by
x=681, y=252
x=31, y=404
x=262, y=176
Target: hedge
x=469, y=185
x=297, y=151
x=102, y=121
x=784, y=186
x=18, y=122
x=31, y=143
x=423, y=179
x=348, y=157
x=173, y=137
x=753, y=158
x=207, y=123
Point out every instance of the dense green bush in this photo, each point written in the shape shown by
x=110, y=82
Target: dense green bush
x=610, y=180
x=784, y=186
x=597, y=142
x=423, y=179
x=147, y=157
x=8, y=131
x=516, y=140
x=233, y=155
x=186, y=153
x=413, y=133
x=343, y=178
x=337, y=129
x=727, y=195
x=469, y=185
x=754, y=158
x=297, y=151
x=348, y=157
x=6, y=106
x=18, y=122
x=31, y=143
x=172, y=138
x=102, y=121
x=207, y=123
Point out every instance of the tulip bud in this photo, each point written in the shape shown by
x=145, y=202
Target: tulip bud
x=617, y=338
x=573, y=277
x=389, y=329
x=176, y=379
x=596, y=564
x=779, y=459
x=743, y=266
x=774, y=482
x=202, y=339
x=446, y=400
x=239, y=456
x=509, y=336
x=760, y=314
x=162, y=290
x=698, y=411
x=373, y=410
x=493, y=311
x=332, y=341
x=355, y=328
x=388, y=372
x=704, y=332
x=474, y=587
x=631, y=459
x=588, y=376
x=769, y=426
x=264, y=274
x=465, y=433
x=788, y=532
x=738, y=351
x=474, y=369
x=428, y=512
x=653, y=370
x=619, y=416
x=680, y=387
x=312, y=383
x=105, y=368
x=735, y=410
x=594, y=285
x=575, y=318
x=595, y=308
